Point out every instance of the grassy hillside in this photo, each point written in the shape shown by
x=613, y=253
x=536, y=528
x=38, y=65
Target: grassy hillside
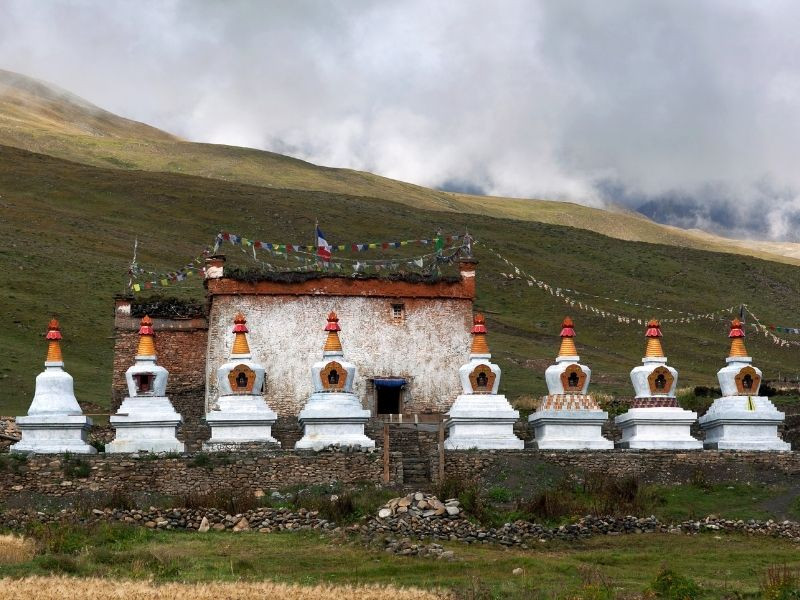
x=38, y=117
x=66, y=232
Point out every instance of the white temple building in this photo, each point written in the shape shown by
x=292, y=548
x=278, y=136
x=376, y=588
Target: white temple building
x=568, y=418
x=146, y=420
x=480, y=417
x=55, y=422
x=655, y=421
x=741, y=419
x=240, y=414
x=333, y=414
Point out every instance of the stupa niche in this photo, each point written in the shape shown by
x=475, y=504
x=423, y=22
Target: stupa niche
x=55, y=422
x=741, y=419
x=333, y=414
x=568, y=417
x=146, y=420
x=480, y=417
x=655, y=421
x=241, y=415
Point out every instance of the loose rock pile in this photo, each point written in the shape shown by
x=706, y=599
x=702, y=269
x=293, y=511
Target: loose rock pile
x=8, y=432
x=405, y=547
x=419, y=505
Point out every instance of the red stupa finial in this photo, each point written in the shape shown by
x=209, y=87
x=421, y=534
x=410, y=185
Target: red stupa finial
x=653, y=328
x=53, y=330
x=146, y=326
x=239, y=324
x=333, y=322
x=567, y=327
x=478, y=324
x=737, y=329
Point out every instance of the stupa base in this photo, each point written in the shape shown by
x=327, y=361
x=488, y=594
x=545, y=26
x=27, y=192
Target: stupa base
x=240, y=421
x=569, y=430
x=54, y=434
x=146, y=424
x=333, y=419
x=482, y=421
x=743, y=423
x=657, y=428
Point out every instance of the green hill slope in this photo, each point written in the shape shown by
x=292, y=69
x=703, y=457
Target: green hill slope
x=41, y=118
x=66, y=233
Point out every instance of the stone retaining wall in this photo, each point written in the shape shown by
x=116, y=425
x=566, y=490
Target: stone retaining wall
x=659, y=466
x=55, y=475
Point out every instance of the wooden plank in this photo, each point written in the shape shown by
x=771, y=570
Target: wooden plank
x=386, y=453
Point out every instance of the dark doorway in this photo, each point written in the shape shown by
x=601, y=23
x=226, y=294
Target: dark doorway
x=388, y=400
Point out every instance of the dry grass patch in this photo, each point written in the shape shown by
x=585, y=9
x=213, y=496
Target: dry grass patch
x=15, y=549
x=53, y=588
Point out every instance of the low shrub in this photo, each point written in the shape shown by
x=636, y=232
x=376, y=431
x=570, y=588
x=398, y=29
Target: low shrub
x=781, y=583
x=672, y=586
x=201, y=459
x=233, y=501
x=76, y=468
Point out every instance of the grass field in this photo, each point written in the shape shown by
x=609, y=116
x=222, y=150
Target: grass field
x=607, y=567
x=67, y=232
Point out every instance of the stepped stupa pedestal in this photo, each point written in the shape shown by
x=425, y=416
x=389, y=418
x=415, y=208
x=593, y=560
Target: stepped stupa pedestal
x=241, y=415
x=146, y=421
x=480, y=417
x=333, y=414
x=568, y=418
x=55, y=423
x=655, y=421
x=741, y=419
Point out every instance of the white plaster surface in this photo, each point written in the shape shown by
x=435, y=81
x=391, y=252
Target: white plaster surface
x=570, y=430
x=727, y=374
x=640, y=374
x=147, y=364
x=145, y=423
x=484, y=421
x=240, y=418
x=333, y=418
x=426, y=347
x=476, y=360
x=657, y=428
x=731, y=424
x=553, y=375
x=55, y=422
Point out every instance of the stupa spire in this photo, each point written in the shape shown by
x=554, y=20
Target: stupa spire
x=737, y=339
x=653, y=335
x=479, y=344
x=567, y=341
x=240, y=345
x=146, y=345
x=53, y=338
x=332, y=342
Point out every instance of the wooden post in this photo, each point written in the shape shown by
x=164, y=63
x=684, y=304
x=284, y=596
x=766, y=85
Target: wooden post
x=441, y=450
x=386, y=453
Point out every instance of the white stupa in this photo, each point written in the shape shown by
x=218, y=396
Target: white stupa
x=741, y=419
x=333, y=414
x=480, y=417
x=655, y=421
x=55, y=423
x=241, y=415
x=146, y=420
x=568, y=418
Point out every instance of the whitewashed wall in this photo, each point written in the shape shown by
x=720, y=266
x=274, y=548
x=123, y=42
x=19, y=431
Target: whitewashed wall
x=287, y=334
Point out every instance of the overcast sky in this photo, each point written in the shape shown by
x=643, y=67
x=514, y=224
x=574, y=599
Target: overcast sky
x=693, y=105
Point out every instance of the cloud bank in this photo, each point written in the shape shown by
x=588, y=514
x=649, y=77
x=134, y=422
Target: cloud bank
x=689, y=111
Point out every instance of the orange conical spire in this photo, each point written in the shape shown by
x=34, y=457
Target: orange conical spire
x=146, y=334
x=240, y=345
x=567, y=341
x=737, y=339
x=479, y=345
x=332, y=343
x=653, y=335
x=53, y=338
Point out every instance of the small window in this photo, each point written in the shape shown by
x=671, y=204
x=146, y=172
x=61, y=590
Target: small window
x=398, y=311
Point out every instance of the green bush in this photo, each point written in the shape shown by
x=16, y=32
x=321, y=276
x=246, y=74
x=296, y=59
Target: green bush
x=500, y=494
x=201, y=459
x=670, y=585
